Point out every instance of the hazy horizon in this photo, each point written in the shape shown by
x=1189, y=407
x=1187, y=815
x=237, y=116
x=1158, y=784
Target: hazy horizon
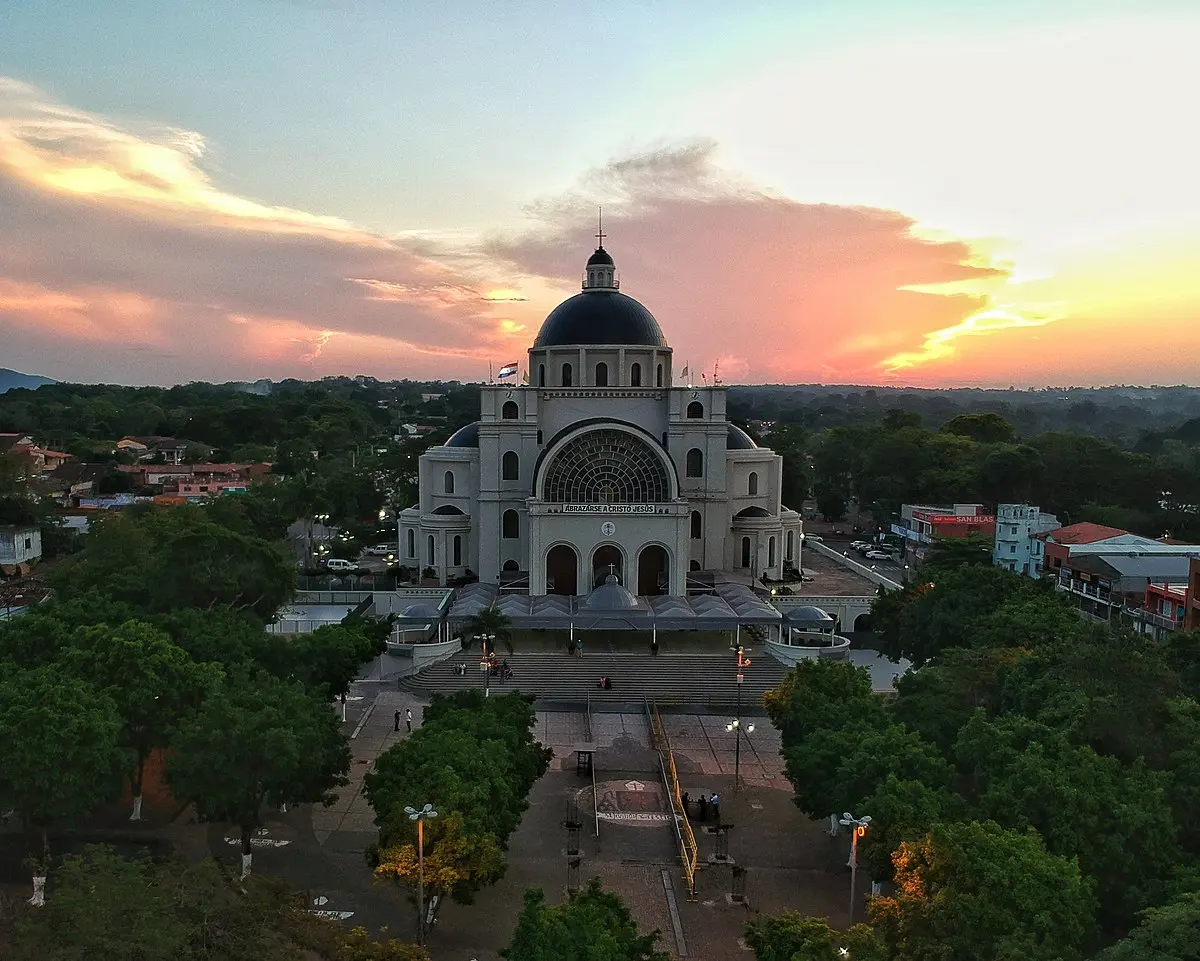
x=928, y=195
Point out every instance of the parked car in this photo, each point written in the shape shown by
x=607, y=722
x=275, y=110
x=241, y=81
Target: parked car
x=379, y=550
x=862, y=545
x=880, y=556
x=813, y=537
x=337, y=564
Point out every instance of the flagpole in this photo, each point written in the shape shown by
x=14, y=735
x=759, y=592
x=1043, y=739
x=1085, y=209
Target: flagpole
x=490, y=379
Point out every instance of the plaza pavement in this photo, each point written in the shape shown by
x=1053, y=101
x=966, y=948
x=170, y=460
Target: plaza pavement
x=792, y=864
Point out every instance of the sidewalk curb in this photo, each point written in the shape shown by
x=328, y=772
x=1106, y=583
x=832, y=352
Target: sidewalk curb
x=366, y=716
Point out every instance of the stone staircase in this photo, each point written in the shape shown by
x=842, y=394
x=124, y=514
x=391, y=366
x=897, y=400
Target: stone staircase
x=686, y=680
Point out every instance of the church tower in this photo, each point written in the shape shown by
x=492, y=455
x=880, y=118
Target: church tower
x=601, y=274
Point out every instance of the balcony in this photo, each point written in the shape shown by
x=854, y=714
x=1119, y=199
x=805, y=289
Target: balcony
x=1164, y=621
x=1092, y=589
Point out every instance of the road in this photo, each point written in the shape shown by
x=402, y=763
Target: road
x=888, y=569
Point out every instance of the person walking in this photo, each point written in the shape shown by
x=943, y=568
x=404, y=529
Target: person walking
x=702, y=804
x=685, y=800
x=408, y=718
x=715, y=803
x=397, y=721
x=579, y=647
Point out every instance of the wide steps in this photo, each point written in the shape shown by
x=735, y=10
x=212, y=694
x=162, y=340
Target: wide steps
x=667, y=678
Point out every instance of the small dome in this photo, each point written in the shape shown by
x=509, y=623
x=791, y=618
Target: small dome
x=738, y=439
x=600, y=317
x=465, y=437
x=753, y=512
x=610, y=596
x=600, y=258
x=448, y=509
x=808, y=615
x=419, y=610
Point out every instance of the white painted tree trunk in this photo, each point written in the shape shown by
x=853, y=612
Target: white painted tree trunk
x=283, y=808
x=137, y=808
x=39, y=891
x=246, y=859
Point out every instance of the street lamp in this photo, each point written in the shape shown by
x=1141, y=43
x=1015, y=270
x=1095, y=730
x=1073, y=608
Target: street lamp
x=421, y=817
x=859, y=828
x=485, y=665
x=742, y=662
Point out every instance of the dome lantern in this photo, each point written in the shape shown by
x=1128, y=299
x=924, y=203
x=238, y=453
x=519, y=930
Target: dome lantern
x=601, y=273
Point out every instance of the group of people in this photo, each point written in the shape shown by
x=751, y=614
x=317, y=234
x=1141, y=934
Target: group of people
x=605, y=683
x=704, y=804
x=498, y=669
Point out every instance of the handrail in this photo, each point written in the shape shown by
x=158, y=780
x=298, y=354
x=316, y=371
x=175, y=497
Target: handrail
x=689, y=853
x=592, y=742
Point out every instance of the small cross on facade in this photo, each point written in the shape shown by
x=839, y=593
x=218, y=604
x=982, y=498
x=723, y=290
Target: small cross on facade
x=612, y=569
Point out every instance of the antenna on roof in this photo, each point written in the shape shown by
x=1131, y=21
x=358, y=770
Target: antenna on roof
x=600, y=235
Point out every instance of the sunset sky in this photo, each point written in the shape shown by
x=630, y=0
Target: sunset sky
x=927, y=192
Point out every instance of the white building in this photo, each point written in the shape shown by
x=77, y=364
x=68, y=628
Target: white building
x=605, y=463
x=21, y=544
x=1017, y=545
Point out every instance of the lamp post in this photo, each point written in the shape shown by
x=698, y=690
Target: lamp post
x=742, y=662
x=421, y=817
x=859, y=829
x=485, y=665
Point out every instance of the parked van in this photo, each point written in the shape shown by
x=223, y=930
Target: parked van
x=337, y=564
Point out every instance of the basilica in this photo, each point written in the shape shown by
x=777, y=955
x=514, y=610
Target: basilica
x=605, y=465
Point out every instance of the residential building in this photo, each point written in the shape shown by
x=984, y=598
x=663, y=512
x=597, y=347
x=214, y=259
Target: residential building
x=1017, y=545
x=170, y=476
x=605, y=471
x=921, y=524
x=1058, y=543
x=1191, y=619
x=202, y=490
x=20, y=546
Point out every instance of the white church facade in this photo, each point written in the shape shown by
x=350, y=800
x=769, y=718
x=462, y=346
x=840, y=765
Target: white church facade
x=604, y=463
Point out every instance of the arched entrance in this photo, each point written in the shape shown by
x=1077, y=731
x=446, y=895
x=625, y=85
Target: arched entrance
x=607, y=560
x=562, y=570
x=653, y=571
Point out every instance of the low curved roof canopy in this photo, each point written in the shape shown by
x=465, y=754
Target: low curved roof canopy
x=420, y=610
x=808, y=617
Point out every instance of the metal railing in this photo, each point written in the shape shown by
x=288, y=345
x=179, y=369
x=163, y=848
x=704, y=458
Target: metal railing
x=592, y=741
x=689, y=852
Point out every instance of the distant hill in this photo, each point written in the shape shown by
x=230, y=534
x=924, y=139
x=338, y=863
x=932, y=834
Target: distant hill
x=10, y=379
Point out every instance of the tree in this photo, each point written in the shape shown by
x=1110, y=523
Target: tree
x=976, y=890
x=814, y=695
x=1167, y=933
x=59, y=756
x=257, y=740
x=456, y=862
x=794, y=937
x=594, y=925
x=489, y=621
x=982, y=428
x=151, y=682
x=326, y=659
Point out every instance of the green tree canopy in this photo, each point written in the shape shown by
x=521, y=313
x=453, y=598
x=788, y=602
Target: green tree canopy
x=1167, y=933
x=794, y=937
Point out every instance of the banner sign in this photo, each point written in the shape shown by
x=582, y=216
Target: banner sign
x=609, y=508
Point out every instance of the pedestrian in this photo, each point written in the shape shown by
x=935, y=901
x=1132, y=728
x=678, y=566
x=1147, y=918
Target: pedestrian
x=703, y=805
x=579, y=648
x=408, y=718
x=715, y=803
x=685, y=801
x=397, y=720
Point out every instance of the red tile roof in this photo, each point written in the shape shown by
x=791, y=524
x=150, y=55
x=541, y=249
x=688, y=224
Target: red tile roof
x=1084, y=532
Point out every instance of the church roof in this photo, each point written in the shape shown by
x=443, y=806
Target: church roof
x=464, y=437
x=600, y=317
x=610, y=596
x=738, y=439
x=601, y=256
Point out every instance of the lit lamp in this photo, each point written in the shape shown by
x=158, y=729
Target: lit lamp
x=859, y=828
x=421, y=817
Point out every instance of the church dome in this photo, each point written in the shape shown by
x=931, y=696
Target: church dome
x=464, y=437
x=738, y=439
x=601, y=258
x=610, y=596
x=600, y=317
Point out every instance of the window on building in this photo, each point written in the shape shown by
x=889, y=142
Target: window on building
x=658, y=376
x=697, y=526
x=752, y=483
x=430, y=553
x=539, y=436
x=509, y=411
x=457, y=550
x=770, y=552
x=695, y=410
x=510, y=466
x=789, y=546
x=448, y=482
x=541, y=375
x=695, y=463
x=566, y=375
x=635, y=375
x=1012, y=548
x=745, y=552
x=602, y=374
x=412, y=544
x=511, y=525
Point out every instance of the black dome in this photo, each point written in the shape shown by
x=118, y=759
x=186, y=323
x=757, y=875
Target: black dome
x=738, y=439
x=600, y=257
x=464, y=437
x=752, y=512
x=600, y=317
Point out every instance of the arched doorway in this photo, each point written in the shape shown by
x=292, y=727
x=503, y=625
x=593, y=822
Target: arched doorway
x=607, y=560
x=562, y=570
x=653, y=571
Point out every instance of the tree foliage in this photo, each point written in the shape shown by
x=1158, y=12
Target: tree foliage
x=794, y=937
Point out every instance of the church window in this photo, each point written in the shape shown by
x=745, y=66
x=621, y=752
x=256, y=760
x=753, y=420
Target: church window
x=606, y=466
x=635, y=375
x=541, y=375
x=509, y=411
x=695, y=463
x=510, y=466
x=458, y=550
x=745, y=552
x=539, y=436
x=695, y=410
x=752, y=483
x=658, y=376
x=448, y=482
x=430, y=553
x=602, y=374
x=566, y=375
x=697, y=526
x=412, y=543
x=770, y=552
x=511, y=525
x=790, y=545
